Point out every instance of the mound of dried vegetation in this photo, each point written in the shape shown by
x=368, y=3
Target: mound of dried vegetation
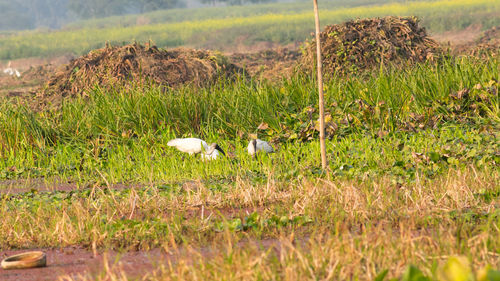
x=110, y=67
x=490, y=40
x=366, y=43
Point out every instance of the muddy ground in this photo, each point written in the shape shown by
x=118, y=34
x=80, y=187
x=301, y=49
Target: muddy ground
x=78, y=262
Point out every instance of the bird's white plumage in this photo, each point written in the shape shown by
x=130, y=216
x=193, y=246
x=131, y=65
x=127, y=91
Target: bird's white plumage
x=195, y=145
x=259, y=145
x=11, y=71
x=189, y=145
x=212, y=156
x=251, y=148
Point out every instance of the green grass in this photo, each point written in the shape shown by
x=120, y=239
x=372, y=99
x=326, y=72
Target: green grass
x=150, y=160
x=279, y=27
x=120, y=133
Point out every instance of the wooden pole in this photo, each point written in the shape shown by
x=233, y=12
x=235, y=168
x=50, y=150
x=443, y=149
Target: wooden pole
x=320, y=89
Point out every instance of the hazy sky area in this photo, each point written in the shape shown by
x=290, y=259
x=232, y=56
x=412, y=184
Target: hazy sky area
x=30, y=14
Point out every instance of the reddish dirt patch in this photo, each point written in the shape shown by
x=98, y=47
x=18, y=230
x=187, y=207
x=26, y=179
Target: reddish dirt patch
x=80, y=262
x=27, y=63
x=459, y=37
x=268, y=64
x=34, y=73
x=240, y=46
x=471, y=41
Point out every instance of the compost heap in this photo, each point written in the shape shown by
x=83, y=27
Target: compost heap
x=490, y=39
x=111, y=67
x=366, y=43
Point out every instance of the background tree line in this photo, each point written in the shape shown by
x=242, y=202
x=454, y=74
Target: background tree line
x=30, y=14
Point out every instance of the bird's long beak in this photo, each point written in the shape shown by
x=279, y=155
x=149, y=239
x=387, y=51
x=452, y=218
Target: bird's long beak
x=220, y=149
x=254, y=144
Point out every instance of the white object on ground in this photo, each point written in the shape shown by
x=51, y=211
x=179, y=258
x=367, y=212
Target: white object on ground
x=212, y=156
x=257, y=145
x=195, y=146
x=11, y=71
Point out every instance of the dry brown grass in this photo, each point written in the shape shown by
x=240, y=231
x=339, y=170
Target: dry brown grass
x=358, y=228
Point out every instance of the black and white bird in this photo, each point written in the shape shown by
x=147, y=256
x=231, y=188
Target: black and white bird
x=257, y=145
x=195, y=146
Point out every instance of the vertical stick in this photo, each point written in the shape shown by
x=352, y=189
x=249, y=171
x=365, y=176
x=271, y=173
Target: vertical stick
x=320, y=89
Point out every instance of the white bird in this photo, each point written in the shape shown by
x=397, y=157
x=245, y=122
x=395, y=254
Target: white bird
x=257, y=145
x=211, y=156
x=195, y=145
x=11, y=71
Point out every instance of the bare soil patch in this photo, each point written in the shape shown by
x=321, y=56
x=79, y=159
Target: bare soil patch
x=78, y=262
x=240, y=45
x=471, y=41
x=25, y=64
x=268, y=64
x=456, y=38
x=75, y=261
x=34, y=73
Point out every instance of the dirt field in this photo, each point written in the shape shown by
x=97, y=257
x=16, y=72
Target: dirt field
x=79, y=263
x=459, y=38
x=76, y=262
